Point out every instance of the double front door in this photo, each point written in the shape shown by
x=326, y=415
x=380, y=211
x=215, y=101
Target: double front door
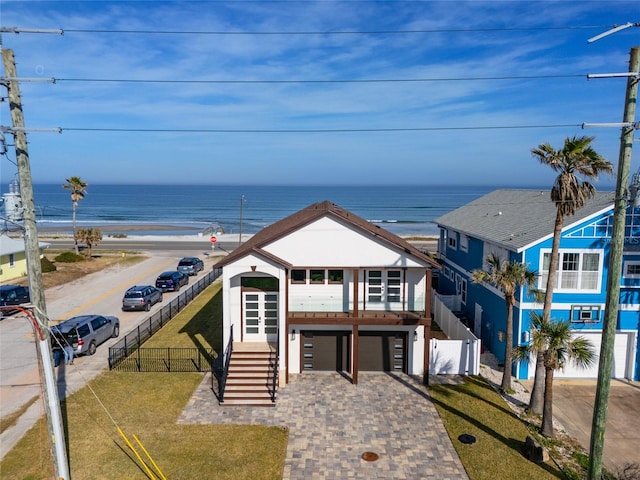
x=260, y=316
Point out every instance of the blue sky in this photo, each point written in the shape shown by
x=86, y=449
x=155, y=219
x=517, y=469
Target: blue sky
x=463, y=41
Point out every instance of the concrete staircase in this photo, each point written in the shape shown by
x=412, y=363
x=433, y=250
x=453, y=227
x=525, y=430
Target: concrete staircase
x=250, y=378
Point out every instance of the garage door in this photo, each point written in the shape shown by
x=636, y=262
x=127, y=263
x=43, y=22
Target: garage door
x=620, y=359
x=326, y=351
x=382, y=352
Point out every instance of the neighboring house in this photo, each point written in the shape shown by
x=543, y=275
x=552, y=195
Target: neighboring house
x=333, y=292
x=13, y=262
x=518, y=225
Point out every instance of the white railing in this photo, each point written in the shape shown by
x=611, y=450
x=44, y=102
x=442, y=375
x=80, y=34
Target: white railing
x=461, y=353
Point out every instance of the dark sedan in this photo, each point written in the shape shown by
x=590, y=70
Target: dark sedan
x=171, y=281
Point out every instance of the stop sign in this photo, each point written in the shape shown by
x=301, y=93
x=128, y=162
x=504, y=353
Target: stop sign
x=214, y=239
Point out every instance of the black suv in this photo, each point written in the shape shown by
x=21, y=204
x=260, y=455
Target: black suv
x=12, y=295
x=171, y=281
x=141, y=298
x=85, y=332
x=190, y=265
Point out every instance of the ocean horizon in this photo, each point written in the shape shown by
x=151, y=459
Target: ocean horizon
x=189, y=209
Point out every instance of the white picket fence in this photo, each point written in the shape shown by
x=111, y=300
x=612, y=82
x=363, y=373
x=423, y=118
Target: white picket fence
x=460, y=355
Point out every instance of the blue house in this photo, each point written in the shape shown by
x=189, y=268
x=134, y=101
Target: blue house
x=518, y=225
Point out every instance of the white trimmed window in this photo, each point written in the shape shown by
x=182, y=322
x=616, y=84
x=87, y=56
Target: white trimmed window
x=631, y=269
x=464, y=243
x=585, y=313
x=452, y=240
x=578, y=270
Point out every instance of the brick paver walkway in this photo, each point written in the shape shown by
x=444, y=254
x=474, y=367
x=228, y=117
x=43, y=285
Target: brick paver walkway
x=332, y=423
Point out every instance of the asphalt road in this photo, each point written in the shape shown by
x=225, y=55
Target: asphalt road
x=199, y=246
x=99, y=293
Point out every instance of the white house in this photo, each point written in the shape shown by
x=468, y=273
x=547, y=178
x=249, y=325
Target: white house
x=329, y=291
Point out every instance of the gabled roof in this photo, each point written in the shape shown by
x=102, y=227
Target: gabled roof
x=310, y=214
x=515, y=219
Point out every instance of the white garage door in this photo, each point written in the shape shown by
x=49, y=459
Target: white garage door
x=621, y=358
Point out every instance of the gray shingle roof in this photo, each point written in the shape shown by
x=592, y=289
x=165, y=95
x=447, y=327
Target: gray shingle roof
x=516, y=218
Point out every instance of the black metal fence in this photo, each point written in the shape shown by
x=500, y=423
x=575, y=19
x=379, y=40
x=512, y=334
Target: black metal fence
x=166, y=360
x=133, y=340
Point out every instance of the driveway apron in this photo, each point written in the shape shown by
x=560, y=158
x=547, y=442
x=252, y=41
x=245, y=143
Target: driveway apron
x=332, y=423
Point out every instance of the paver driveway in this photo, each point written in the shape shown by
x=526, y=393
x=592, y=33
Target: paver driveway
x=332, y=423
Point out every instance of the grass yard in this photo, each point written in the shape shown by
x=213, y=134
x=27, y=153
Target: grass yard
x=476, y=409
x=148, y=405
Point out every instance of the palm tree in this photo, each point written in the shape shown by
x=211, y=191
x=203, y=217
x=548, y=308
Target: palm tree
x=78, y=190
x=507, y=276
x=569, y=193
x=90, y=237
x=553, y=340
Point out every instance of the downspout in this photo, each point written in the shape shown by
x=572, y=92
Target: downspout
x=286, y=325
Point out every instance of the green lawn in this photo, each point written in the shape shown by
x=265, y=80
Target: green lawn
x=476, y=409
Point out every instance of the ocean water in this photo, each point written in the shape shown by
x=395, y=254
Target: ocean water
x=403, y=210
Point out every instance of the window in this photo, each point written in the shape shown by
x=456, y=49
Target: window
x=464, y=243
x=463, y=291
x=336, y=276
x=578, y=270
x=384, y=286
x=585, y=313
x=316, y=276
x=447, y=273
x=12, y=260
x=298, y=276
x=631, y=269
x=393, y=286
x=452, y=242
x=374, y=286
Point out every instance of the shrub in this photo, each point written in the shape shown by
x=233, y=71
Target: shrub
x=69, y=257
x=47, y=265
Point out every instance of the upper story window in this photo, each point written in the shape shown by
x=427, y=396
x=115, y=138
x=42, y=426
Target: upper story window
x=316, y=276
x=631, y=269
x=298, y=276
x=464, y=243
x=577, y=270
x=452, y=240
x=12, y=260
x=336, y=276
x=585, y=313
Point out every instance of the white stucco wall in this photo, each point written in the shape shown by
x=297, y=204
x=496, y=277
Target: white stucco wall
x=327, y=243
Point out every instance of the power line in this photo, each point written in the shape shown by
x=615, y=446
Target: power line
x=325, y=32
x=372, y=80
x=311, y=130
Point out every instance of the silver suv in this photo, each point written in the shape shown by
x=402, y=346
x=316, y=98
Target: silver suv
x=190, y=265
x=85, y=331
x=141, y=297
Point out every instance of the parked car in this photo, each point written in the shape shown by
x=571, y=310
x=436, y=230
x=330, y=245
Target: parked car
x=171, y=281
x=12, y=295
x=190, y=265
x=85, y=332
x=141, y=297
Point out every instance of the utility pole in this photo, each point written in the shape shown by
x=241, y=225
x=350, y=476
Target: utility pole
x=614, y=272
x=241, y=205
x=34, y=271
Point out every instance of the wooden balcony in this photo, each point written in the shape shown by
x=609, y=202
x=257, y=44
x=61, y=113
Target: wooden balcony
x=367, y=317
